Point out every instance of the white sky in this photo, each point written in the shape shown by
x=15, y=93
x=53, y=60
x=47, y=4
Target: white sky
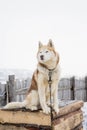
x=24, y=22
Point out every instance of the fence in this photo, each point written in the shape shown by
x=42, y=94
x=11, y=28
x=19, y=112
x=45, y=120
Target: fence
x=69, y=89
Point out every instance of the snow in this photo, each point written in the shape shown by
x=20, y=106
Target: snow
x=84, y=109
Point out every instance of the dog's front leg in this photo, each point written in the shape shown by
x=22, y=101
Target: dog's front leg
x=55, y=100
x=42, y=98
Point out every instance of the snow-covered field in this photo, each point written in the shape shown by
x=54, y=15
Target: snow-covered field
x=84, y=109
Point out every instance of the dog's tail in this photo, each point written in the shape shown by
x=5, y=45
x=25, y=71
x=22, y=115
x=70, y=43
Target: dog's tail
x=15, y=105
x=30, y=102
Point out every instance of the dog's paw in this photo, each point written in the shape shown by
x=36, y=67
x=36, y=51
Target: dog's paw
x=46, y=110
x=56, y=109
x=32, y=108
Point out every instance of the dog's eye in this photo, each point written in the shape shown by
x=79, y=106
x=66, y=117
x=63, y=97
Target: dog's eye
x=46, y=51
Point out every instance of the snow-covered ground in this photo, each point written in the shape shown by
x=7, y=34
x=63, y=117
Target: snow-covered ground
x=84, y=109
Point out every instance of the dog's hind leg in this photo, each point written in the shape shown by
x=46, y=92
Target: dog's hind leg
x=32, y=100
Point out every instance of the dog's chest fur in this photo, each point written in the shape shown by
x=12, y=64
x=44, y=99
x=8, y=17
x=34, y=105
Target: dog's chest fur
x=41, y=77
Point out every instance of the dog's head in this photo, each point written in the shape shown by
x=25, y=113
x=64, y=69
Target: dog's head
x=46, y=52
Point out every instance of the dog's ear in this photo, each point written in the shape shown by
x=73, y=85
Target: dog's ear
x=50, y=43
x=40, y=44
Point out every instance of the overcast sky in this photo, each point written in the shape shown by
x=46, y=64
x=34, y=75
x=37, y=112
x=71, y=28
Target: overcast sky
x=24, y=22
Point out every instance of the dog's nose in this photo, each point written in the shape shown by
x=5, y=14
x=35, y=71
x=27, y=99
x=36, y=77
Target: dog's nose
x=42, y=57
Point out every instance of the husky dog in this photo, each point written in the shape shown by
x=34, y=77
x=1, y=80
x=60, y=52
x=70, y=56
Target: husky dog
x=39, y=93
